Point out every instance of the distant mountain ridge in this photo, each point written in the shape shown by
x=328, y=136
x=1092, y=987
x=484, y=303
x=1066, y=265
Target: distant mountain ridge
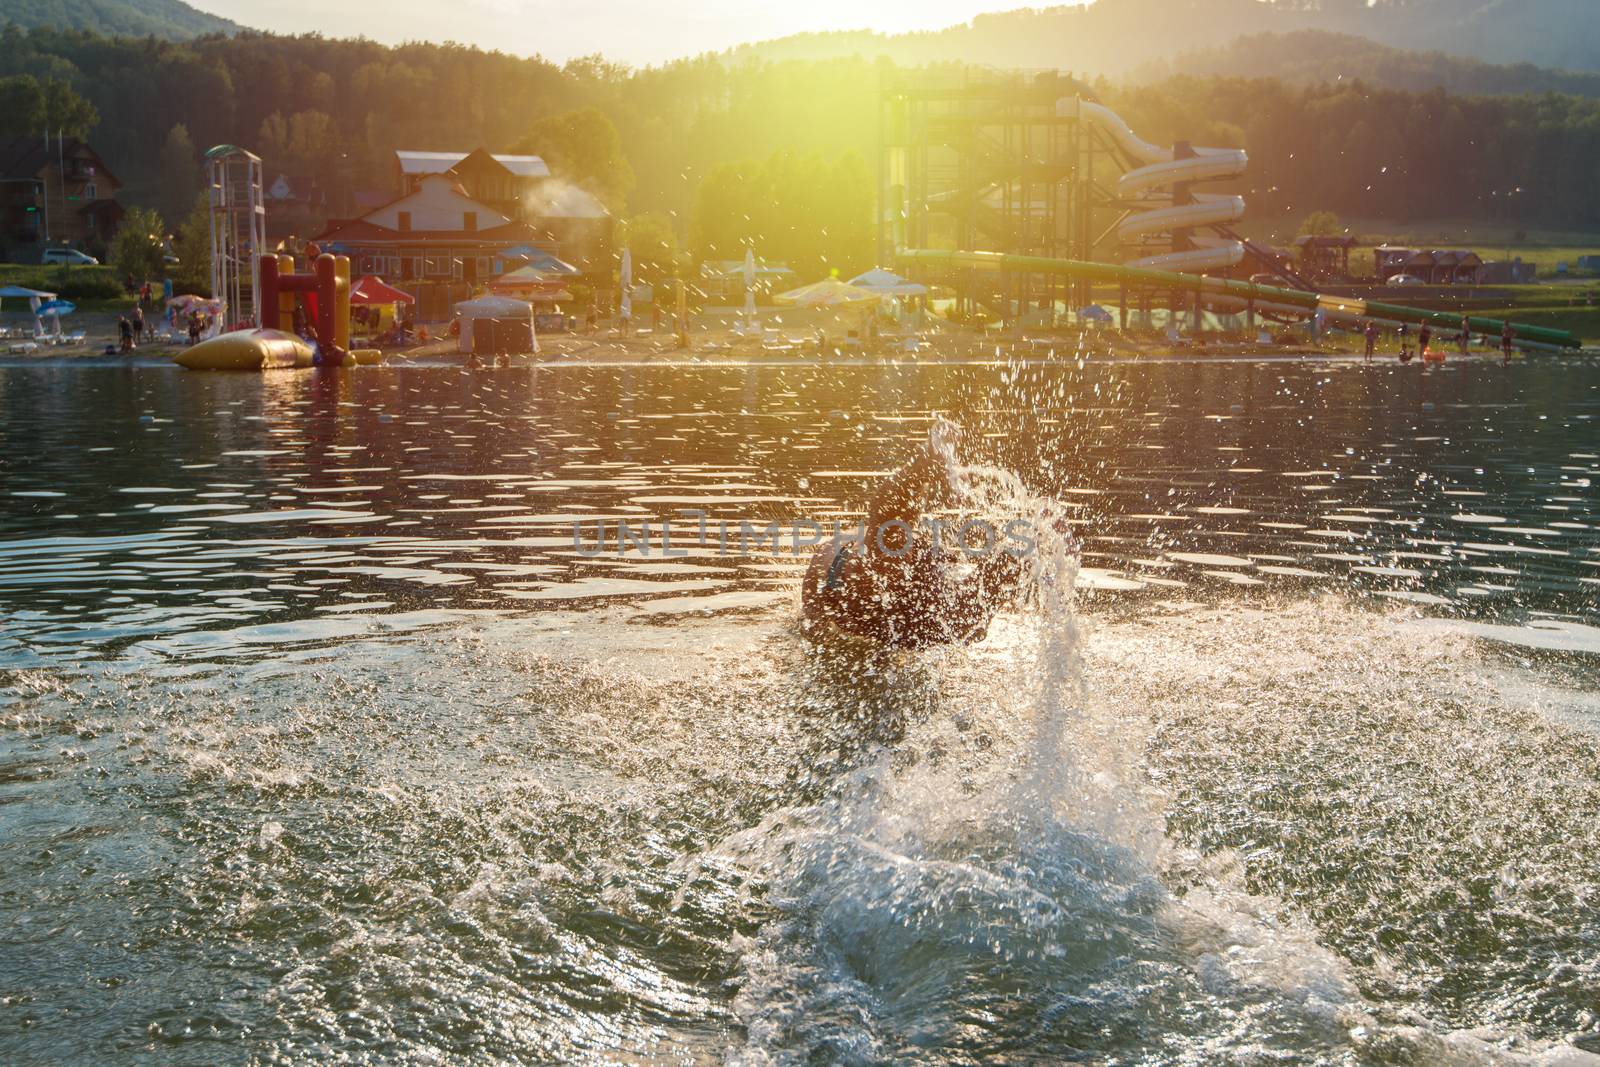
x=1311, y=57
x=171, y=20
x=1116, y=37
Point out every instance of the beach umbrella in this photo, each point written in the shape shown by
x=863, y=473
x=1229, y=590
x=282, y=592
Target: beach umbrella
x=627, y=285
x=888, y=283
x=57, y=308
x=830, y=292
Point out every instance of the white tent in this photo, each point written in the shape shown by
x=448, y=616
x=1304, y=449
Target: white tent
x=494, y=307
x=34, y=297
x=887, y=283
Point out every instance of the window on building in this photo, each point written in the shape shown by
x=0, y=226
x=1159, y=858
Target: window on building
x=89, y=192
x=405, y=221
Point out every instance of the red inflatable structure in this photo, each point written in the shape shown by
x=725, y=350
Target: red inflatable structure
x=325, y=293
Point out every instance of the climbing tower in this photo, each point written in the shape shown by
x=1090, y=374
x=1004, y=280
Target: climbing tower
x=238, y=233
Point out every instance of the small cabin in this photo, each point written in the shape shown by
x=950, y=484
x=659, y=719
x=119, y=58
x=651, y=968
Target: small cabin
x=1322, y=258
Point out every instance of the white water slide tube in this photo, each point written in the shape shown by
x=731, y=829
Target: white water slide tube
x=1162, y=170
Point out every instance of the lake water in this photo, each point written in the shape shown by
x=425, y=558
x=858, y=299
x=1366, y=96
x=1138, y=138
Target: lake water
x=322, y=741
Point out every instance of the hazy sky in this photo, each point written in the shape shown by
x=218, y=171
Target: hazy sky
x=632, y=31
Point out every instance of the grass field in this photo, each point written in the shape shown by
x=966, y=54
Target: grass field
x=1490, y=240
x=91, y=288
x=1583, y=322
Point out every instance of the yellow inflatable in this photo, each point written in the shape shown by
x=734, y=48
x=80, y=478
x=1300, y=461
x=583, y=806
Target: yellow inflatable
x=366, y=357
x=247, y=350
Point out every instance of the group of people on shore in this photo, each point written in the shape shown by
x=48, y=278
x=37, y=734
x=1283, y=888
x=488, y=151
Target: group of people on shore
x=1463, y=339
x=134, y=327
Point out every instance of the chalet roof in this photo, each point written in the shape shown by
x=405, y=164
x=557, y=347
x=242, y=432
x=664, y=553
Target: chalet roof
x=25, y=157
x=419, y=162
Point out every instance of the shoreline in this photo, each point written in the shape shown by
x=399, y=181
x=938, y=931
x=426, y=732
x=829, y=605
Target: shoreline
x=949, y=345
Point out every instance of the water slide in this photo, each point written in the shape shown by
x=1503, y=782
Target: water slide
x=1227, y=294
x=1152, y=186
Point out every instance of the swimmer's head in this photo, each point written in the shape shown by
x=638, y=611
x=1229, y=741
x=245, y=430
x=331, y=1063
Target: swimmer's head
x=927, y=481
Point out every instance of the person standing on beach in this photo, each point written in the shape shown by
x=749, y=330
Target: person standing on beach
x=1507, y=336
x=137, y=324
x=1466, y=334
x=1424, y=335
x=1372, y=337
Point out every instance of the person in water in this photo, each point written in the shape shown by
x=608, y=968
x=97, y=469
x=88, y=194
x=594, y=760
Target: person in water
x=898, y=585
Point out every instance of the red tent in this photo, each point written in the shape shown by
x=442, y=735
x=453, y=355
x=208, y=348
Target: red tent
x=372, y=289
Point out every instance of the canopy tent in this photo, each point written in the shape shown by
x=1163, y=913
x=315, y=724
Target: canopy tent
x=502, y=309
x=887, y=283
x=537, y=258
x=830, y=292
x=25, y=293
x=372, y=289
x=34, y=297
x=530, y=283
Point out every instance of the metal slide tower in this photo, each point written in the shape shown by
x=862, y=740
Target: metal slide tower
x=238, y=233
x=1027, y=166
x=975, y=159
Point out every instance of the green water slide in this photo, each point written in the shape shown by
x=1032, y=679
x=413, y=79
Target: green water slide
x=1265, y=298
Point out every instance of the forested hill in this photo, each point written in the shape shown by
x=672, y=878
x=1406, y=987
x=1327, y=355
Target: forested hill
x=171, y=20
x=781, y=152
x=1312, y=57
x=1114, y=37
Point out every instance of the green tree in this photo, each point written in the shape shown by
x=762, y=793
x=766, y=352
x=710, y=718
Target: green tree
x=180, y=171
x=1320, y=224
x=652, y=240
x=137, y=248
x=193, y=248
x=66, y=112
x=583, y=147
x=799, y=209
x=21, y=105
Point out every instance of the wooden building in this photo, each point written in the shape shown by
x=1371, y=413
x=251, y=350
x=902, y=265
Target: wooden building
x=55, y=194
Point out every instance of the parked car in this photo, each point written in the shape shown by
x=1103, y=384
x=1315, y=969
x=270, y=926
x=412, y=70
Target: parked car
x=1405, y=279
x=70, y=256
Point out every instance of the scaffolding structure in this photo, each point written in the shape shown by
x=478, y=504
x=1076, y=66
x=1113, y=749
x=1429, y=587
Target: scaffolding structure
x=238, y=233
x=1001, y=162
